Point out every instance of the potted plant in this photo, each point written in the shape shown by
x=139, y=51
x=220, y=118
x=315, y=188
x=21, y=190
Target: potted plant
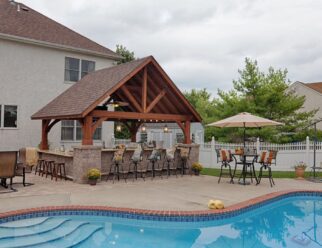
x=93, y=175
x=196, y=168
x=300, y=170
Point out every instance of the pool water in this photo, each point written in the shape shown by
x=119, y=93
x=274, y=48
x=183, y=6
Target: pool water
x=291, y=222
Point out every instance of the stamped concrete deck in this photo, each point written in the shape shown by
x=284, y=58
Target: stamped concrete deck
x=182, y=193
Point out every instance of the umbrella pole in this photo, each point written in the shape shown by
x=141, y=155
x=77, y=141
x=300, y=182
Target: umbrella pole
x=244, y=136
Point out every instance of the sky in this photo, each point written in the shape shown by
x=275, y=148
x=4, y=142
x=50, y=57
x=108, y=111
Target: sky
x=203, y=43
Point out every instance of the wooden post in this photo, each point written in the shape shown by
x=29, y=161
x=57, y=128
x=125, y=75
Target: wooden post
x=44, y=135
x=87, y=131
x=187, y=139
x=144, y=89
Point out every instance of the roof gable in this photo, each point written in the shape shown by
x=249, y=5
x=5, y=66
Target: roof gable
x=122, y=82
x=21, y=21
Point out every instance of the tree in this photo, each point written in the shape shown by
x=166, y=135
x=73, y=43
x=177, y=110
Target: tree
x=263, y=94
x=127, y=57
x=125, y=53
x=202, y=101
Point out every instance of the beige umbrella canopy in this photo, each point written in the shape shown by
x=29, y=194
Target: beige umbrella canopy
x=244, y=120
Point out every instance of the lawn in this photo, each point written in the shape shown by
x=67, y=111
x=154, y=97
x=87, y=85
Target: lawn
x=276, y=174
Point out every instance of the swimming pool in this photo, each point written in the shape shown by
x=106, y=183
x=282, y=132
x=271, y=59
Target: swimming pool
x=294, y=220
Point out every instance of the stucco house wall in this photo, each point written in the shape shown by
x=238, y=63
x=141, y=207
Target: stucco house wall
x=313, y=99
x=31, y=76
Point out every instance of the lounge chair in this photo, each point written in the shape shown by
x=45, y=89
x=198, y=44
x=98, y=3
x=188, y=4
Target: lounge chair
x=8, y=162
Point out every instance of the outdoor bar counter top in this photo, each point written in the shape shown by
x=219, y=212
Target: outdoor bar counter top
x=83, y=158
x=59, y=157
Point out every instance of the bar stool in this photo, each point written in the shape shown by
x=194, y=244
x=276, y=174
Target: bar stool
x=40, y=166
x=59, y=170
x=49, y=165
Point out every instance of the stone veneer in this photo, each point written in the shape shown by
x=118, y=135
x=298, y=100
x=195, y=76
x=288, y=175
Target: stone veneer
x=85, y=158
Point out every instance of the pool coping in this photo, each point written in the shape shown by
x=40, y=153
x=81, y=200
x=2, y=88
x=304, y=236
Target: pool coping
x=162, y=215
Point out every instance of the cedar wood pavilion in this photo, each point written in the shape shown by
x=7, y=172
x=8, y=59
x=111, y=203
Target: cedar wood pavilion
x=143, y=84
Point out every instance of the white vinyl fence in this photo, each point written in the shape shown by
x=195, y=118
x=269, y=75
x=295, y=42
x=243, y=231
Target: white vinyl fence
x=287, y=156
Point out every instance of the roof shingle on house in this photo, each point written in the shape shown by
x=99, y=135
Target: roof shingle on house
x=315, y=86
x=20, y=21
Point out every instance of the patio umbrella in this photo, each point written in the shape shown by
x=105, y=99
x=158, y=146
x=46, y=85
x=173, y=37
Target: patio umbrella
x=244, y=120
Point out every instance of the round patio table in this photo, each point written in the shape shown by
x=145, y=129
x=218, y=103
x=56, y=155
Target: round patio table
x=245, y=165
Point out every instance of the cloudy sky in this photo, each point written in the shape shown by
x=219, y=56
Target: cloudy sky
x=202, y=43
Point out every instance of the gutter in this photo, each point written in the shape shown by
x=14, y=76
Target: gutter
x=57, y=46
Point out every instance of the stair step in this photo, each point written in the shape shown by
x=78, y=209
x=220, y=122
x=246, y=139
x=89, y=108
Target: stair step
x=62, y=231
x=98, y=239
x=74, y=239
x=24, y=223
x=45, y=226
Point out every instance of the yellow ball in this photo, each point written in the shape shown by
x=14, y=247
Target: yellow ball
x=215, y=204
x=219, y=204
x=211, y=204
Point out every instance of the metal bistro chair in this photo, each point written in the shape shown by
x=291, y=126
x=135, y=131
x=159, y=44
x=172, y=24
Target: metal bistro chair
x=142, y=168
x=184, y=154
x=169, y=159
x=153, y=159
x=8, y=162
x=117, y=159
x=136, y=158
x=266, y=160
x=226, y=158
x=159, y=168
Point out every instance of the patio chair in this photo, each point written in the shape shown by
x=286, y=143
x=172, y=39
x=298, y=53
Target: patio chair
x=117, y=159
x=8, y=162
x=184, y=154
x=169, y=159
x=153, y=159
x=159, y=167
x=225, y=158
x=124, y=171
x=316, y=171
x=142, y=168
x=136, y=158
x=265, y=160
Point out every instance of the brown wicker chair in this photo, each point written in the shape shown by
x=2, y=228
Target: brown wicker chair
x=8, y=162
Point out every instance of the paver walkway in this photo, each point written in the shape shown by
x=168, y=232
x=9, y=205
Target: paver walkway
x=182, y=193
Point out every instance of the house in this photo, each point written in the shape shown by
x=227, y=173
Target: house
x=40, y=59
x=313, y=97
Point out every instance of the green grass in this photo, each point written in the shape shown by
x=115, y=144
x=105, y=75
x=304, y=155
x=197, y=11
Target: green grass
x=276, y=174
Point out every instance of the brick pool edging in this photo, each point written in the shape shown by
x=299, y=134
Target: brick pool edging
x=159, y=215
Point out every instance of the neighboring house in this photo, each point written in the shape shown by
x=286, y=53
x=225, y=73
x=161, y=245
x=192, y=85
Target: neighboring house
x=39, y=59
x=313, y=97
x=173, y=134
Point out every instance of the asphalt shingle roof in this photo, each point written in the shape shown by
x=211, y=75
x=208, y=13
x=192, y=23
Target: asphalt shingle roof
x=83, y=94
x=30, y=24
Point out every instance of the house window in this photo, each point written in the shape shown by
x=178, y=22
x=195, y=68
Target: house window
x=72, y=131
x=8, y=116
x=76, y=68
x=87, y=67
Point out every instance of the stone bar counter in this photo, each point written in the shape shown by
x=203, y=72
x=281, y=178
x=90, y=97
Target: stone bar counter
x=59, y=157
x=83, y=158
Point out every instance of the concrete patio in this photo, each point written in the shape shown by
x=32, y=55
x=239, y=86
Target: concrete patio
x=182, y=193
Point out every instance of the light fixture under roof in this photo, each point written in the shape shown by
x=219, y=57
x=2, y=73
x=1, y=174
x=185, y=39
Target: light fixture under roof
x=118, y=127
x=143, y=128
x=165, y=129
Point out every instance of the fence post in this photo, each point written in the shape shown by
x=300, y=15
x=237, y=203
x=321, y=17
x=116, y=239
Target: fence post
x=257, y=145
x=307, y=150
x=213, y=152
